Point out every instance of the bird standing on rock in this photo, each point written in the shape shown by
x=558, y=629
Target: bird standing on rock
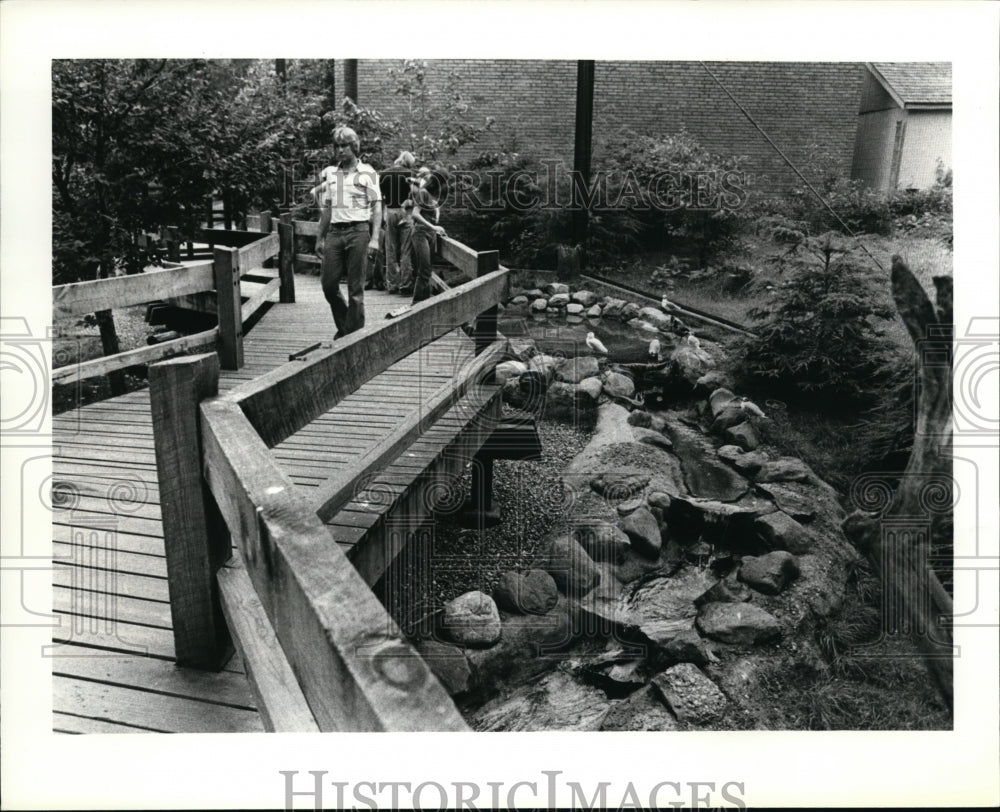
x=693, y=341
x=654, y=348
x=595, y=344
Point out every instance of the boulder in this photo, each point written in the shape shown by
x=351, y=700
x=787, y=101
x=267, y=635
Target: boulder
x=472, y=619
x=578, y=368
x=719, y=399
x=643, y=532
x=661, y=607
x=574, y=309
x=651, y=437
x=790, y=500
x=568, y=563
x=620, y=484
x=613, y=308
x=534, y=293
x=642, y=710
x=742, y=435
x=659, y=499
x=728, y=590
x=688, y=647
x=704, y=475
x=629, y=311
x=629, y=506
x=712, y=380
x=594, y=312
x=642, y=326
x=559, y=300
x=448, y=663
x=563, y=402
x=545, y=364
x=780, y=531
x=522, y=348
x=737, y=623
x=618, y=385
x=539, y=305
x=785, y=469
x=585, y=298
x=602, y=540
x=660, y=320
x=506, y=370
x=729, y=415
x=692, y=696
x=532, y=592
x=690, y=364
x=556, y=289
x=769, y=573
x=640, y=418
x=748, y=463
x=592, y=387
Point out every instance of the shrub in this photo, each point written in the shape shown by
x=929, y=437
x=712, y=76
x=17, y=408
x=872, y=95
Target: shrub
x=672, y=190
x=843, y=205
x=820, y=335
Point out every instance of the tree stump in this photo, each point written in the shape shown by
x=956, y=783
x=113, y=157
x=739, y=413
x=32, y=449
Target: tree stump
x=918, y=516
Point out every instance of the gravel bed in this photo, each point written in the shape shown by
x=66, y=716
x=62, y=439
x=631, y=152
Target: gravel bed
x=451, y=560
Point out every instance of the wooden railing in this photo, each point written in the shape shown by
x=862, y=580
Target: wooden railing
x=320, y=650
x=236, y=255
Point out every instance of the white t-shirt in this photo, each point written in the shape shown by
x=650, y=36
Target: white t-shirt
x=350, y=194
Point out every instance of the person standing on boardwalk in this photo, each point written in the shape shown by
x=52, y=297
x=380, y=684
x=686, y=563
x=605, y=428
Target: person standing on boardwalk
x=395, y=188
x=349, y=227
x=424, y=210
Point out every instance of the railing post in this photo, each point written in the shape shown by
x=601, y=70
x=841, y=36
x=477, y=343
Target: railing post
x=486, y=325
x=265, y=222
x=286, y=259
x=227, y=287
x=173, y=244
x=194, y=550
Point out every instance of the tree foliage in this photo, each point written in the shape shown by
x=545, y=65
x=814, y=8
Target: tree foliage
x=137, y=144
x=821, y=335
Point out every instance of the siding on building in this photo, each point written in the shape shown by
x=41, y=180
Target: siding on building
x=928, y=140
x=800, y=105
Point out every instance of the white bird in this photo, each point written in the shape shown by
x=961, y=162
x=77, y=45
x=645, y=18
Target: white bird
x=654, y=348
x=748, y=405
x=666, y=304
x=595, y=344
x=693, y=341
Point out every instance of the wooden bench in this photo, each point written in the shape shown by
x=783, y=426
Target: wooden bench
x=320, y=650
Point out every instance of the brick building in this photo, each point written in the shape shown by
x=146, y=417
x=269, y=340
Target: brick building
x=804, y=107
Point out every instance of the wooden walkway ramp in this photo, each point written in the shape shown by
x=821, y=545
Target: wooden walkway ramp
x=113, y=659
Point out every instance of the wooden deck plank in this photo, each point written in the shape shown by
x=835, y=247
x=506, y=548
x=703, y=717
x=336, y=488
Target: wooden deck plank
x=115, y=703
x=106, y=451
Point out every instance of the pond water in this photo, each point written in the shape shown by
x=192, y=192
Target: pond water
x=567, y=336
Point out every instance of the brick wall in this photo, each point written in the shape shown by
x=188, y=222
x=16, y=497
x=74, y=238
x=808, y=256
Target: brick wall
x=796, y=103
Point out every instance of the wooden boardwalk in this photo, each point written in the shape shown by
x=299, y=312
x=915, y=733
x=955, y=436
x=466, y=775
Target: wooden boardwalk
x=114, y=667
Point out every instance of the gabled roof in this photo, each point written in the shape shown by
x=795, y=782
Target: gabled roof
x=915, y=84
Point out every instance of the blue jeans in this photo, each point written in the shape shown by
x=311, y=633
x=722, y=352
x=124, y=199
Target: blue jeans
x=345, y=251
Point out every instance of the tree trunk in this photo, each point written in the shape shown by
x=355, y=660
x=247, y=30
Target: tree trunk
x=351, y=79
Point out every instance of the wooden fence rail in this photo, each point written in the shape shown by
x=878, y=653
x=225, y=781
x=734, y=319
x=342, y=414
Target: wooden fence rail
x=320, y=650
x=236, y=254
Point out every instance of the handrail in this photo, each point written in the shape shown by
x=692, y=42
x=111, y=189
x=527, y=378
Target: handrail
x=282, y=401
x=79, y=298
x=322, y=637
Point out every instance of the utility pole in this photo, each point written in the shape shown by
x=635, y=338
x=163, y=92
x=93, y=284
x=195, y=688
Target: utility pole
x=581, y=153
x=351, y=79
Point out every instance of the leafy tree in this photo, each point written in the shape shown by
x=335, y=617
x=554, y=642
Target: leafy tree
x=438, y=122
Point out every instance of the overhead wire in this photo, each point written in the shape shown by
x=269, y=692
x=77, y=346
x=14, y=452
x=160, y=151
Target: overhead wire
x=791, y=165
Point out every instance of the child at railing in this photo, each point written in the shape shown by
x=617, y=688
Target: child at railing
x=423, y=204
